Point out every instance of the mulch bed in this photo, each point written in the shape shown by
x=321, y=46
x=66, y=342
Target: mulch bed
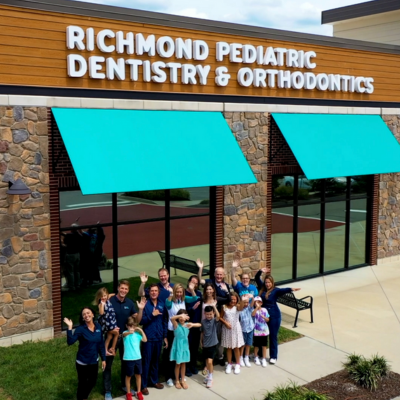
x=339, y=386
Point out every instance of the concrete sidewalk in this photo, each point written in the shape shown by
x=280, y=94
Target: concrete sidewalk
x=300, y=361
x=354, y=311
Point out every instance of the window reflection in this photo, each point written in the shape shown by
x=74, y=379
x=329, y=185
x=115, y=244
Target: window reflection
x=136, y=206
x=358, y=222
x=84, y=210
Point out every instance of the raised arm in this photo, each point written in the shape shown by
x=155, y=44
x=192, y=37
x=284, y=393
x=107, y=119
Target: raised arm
x=140, y=330
x=71, y=337
x=217, y=316
x=235, y=266
x=143, y=280
x=200, y=264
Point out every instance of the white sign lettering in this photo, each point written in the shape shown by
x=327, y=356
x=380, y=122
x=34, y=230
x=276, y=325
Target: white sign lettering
x=269, y=71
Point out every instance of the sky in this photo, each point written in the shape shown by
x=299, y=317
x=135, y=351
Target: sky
x=291, y=15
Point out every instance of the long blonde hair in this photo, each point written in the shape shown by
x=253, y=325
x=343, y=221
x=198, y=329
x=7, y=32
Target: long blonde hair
x=174, y=290
x=99, y=294
x=264, y=288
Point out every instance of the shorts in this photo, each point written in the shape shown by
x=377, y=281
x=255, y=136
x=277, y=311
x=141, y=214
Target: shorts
x=248, y=338
x=260, y=341
x=133, y=367
x=209, y=352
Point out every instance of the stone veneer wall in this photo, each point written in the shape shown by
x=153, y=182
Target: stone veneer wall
x=245, y=206
x=389, y=203
x=25, y=280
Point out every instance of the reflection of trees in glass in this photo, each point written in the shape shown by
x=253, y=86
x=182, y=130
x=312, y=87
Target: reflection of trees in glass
x=360, y=183
x=332, y=185
x=286, y=192
x=175, y=194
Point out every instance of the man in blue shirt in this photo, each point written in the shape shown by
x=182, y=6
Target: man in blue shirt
x=244, y=286
x=124, y=308
x=155, y=323
x=164, y=285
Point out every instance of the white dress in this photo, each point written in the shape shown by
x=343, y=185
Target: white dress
x=232, y=338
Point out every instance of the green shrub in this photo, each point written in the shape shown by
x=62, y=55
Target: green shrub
x=175, y=194
x=303, y=194
x=284, y=192
x=205, y=201
x=353, y=359
x=365, y=374
x=381, y=365
x=292, y=391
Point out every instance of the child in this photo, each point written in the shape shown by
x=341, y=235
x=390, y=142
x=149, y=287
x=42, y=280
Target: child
x=232, y=336
x=107, y=318
x=247, y=324
x=132, y=357
x=180, y=348
x=261, y=331
x=209, y=340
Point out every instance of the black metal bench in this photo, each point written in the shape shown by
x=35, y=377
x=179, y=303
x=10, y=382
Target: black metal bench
x=291, y=301
x=183, y=264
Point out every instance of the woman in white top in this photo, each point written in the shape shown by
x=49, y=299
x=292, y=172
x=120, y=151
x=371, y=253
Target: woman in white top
x=174, y=303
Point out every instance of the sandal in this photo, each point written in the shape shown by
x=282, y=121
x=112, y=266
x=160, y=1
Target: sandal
x=184, y=384
x=178, y=385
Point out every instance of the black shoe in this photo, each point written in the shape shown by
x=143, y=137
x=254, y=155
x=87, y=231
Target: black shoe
x=221, y=362
x=195, y=371
x=188, y=373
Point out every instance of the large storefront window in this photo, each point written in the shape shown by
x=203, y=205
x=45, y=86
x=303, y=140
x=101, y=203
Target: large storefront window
x=318, y=226
x=147, y=226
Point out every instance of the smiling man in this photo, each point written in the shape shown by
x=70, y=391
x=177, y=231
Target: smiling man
x=124, y=308
x=164, y=285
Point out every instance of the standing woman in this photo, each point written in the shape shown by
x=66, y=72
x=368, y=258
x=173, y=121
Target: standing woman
x=91, y=345
x=269, y=295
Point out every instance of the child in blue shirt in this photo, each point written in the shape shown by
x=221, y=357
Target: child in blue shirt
x=132, y=357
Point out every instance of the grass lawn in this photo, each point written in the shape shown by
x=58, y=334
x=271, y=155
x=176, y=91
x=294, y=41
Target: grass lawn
x=46, y=370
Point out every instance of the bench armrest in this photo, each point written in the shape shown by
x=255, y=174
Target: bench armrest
x=307, y=298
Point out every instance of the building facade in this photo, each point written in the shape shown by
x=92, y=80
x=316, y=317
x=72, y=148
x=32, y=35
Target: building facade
x=299, y=208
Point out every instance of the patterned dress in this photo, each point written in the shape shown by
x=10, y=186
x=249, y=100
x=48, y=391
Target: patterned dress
x=232, y=338
x=108, y=320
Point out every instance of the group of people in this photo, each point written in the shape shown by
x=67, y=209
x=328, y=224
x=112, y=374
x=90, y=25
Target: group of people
x=179, y=321
x=80, y=255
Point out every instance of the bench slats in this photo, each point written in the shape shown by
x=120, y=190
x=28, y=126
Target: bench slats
x=183, y=264
x=290, y=300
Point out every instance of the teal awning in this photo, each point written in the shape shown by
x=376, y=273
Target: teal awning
x=332, y=145
x=128, y=150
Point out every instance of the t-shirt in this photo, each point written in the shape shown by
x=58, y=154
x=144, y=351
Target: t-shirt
x=260, y=326
x=132, y=346
x=240, y=289
x=246, y=320
x=209, y=329
x=123, y=310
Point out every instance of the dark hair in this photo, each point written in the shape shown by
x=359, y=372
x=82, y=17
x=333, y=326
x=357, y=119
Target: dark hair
x=193, y=276
x=208, y=284
x=208, y=309
x=182, y=311
x=154, y=285
x=81, y=321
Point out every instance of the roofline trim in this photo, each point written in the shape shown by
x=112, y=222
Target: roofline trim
x=359, y=10
x=153, y=18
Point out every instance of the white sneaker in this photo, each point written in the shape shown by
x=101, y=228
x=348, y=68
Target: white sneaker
x=257, y=361
x=170, y=382
x=264, y=362
x=272, y=360
x=205, y=379
x=247, y=362
x=237, y=369
x=241, y=362
x=228, y=369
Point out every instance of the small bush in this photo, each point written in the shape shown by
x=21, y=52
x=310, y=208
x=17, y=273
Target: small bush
x=353, y=359
x=284, y=192
x=365, y=374
x=292, y=391
x=381, y=365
